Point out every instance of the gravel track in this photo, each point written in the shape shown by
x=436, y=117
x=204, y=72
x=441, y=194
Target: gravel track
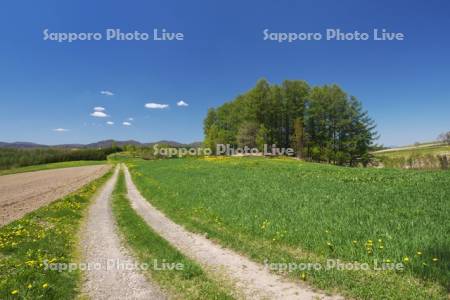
x=251, y=279
x=111, y=273
x=25, y=192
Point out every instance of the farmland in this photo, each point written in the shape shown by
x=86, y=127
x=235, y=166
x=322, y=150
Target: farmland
x=270, y=211
x=424, y=156
x=281, y=210
x=27, y=191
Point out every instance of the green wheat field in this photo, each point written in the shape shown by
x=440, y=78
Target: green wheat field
x=286, y=211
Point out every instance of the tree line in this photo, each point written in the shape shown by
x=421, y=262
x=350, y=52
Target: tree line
x=12, y=158
x=444, y=137
x=321, y=123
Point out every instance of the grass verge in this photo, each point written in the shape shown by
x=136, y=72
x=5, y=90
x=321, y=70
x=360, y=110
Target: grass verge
x=189, y=282
x=58, y=165
x=44, y=236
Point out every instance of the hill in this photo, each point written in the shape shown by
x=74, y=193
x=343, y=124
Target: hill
x=421, y=156
x=100, y=144
x=21, y=145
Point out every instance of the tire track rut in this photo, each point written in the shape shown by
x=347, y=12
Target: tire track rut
x=108, y=274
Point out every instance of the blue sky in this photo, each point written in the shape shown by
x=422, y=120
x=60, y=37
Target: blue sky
x=45, y=85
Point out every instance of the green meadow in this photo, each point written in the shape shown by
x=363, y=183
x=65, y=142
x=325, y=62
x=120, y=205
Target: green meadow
x=432, y=149
x=427, y=156
x=286, y=211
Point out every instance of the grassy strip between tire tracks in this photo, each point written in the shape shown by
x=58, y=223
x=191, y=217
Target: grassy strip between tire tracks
x=153, y=252
x=48, y=235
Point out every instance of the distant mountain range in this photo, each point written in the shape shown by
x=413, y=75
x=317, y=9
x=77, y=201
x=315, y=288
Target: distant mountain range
x=100, y=144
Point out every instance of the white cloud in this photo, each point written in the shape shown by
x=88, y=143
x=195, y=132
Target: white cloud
x=60, y=129
x=99, y=108
x=126, y=124
x=130, y=119
x=99, y=114
x=156, y=105
x=182, y=103
x=107, y=93
x=110, y=123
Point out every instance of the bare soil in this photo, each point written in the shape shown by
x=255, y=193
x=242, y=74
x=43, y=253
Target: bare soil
x=25, y=192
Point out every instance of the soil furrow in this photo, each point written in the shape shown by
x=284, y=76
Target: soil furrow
x=25, y=192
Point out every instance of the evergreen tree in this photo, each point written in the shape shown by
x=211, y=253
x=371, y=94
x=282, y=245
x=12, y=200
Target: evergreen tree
x=320, y=123
x=262, y=137
x=298, y=137
x=247, y=134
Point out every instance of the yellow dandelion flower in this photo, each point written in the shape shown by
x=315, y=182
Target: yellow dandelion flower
x=14, y=292
x=381, y=247
x=30, y=263
x=30, y=286
x=45, y=285
x=419, y=253
x=406, y=259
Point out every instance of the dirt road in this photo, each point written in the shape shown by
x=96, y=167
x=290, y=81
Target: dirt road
x=25, y=192
x=113, y=273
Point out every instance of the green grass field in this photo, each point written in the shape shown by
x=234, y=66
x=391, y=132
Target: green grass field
x=287, y=211
x=47, y=235
x=431, y=149
x=425, y=156
x=190, y=282
x=57, y=165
